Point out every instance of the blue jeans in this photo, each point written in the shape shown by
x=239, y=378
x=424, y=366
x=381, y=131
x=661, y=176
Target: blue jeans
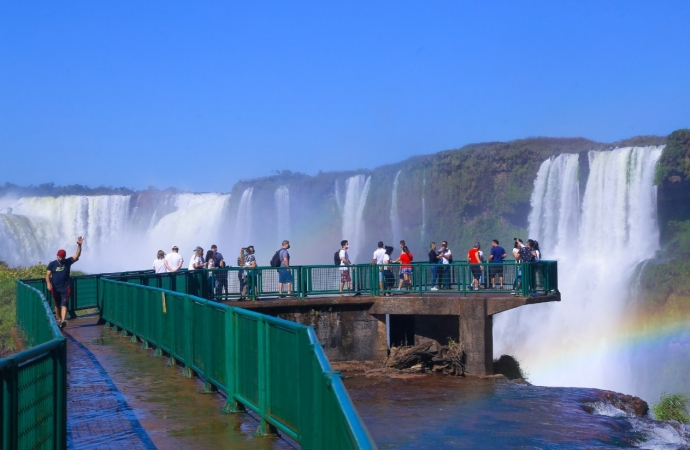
x=434, y=274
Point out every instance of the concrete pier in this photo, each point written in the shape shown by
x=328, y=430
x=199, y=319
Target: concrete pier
x=354, y=328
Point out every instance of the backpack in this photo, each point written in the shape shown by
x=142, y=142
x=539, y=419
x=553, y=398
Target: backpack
x=336, y=258
x=526, y=255
x=275, y=261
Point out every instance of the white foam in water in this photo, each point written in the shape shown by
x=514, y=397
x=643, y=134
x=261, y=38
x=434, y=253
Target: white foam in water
x=661, y=435
x=597, y=245
x=356, y=191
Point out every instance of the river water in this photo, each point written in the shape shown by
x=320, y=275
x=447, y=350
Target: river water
x=437, y=412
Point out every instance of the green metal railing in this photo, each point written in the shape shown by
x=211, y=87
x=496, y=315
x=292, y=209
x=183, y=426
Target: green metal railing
x=271, y=366
x=33, y=394
x=85, y=293
x=231, y=283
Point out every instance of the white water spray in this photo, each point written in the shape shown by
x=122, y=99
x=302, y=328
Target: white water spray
x=578, y=342
x=356, y=191
x=33, y=228
x=282, y=198
x=396, y=228
x=243, y=221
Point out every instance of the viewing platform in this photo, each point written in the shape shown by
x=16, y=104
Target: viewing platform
x=364, y=322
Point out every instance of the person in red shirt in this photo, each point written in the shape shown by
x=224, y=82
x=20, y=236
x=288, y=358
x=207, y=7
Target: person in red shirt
x=474, y=258
x=406, y=269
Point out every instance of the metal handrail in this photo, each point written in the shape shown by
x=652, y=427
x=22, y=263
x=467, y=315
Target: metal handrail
x=33, y=395
x=364, y=279
x=271, y=366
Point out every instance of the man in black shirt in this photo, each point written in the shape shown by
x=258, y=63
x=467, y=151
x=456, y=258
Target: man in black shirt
x=59, y=283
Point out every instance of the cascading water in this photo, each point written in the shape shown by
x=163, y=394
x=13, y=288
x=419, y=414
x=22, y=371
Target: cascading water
x=396, y=228
x=282, y=197
x=196, y=221
x=356, y=191
x=580, y=341
x=243, y=221
x=33, y=228
x=422, y=231
x=554, y=217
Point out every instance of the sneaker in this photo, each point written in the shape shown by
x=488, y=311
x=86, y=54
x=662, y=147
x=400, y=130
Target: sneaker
x=434, y=288
x=63, y=324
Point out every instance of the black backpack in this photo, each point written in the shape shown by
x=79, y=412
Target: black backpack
x=336, y=258
x=275, y=261
x=526, y=255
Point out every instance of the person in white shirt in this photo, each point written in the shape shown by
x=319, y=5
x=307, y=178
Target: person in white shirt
x=445, y=257
x=159, y=262
x=173, y=260
x=345, y=278
x=378, y=259
x=197, y=259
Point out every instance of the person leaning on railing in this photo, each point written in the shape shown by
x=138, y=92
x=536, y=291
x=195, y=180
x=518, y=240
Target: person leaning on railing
x=284, y=275
x=242, y=274
x=496, y=257
x=433, y=260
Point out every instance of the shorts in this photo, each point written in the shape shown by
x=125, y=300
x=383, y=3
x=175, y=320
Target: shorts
x=495, y=269
x=380, y=275
x=61, y=297
x=476, y=271
x=345, y=276
x=284, y=276
x=406, y=270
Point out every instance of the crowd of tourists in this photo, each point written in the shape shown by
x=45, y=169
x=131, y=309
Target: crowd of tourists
x=439, y=264
x=173, y=261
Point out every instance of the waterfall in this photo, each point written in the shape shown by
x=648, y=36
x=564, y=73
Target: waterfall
x=396, y=228
x=598, y=245
x=196, y=220
x=422, y=232
x=356, y=191
x=554, y=217
x=32, y=229
x=243, y=221
x=282, y=197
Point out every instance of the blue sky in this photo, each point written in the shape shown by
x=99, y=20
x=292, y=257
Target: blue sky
x=197, y=95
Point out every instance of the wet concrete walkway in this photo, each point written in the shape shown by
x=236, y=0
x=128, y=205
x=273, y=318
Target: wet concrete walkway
x=121, y=396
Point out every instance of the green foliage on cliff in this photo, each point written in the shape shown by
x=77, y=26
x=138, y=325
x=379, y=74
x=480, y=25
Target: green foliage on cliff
x=669, y=274
x=674, y=164
x=8, y=317
x=672, y=407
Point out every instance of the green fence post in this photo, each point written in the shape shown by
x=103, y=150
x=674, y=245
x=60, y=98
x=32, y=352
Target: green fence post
x=60, y=367
x=265, y=428
x=208, y=354
x=231, y=405
x=189, y=333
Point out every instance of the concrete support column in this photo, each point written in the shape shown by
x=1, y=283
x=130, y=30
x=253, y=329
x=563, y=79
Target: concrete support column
x=476, y=332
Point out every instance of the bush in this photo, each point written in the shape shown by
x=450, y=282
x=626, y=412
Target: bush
x=8, y=275
x=509, y=367
x=672, y=407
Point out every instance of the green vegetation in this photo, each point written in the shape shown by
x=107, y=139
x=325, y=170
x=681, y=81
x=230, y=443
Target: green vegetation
x=672, y=407
x=8, y=319
x=509, y=367
x=674, y=164
x=667, y=276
